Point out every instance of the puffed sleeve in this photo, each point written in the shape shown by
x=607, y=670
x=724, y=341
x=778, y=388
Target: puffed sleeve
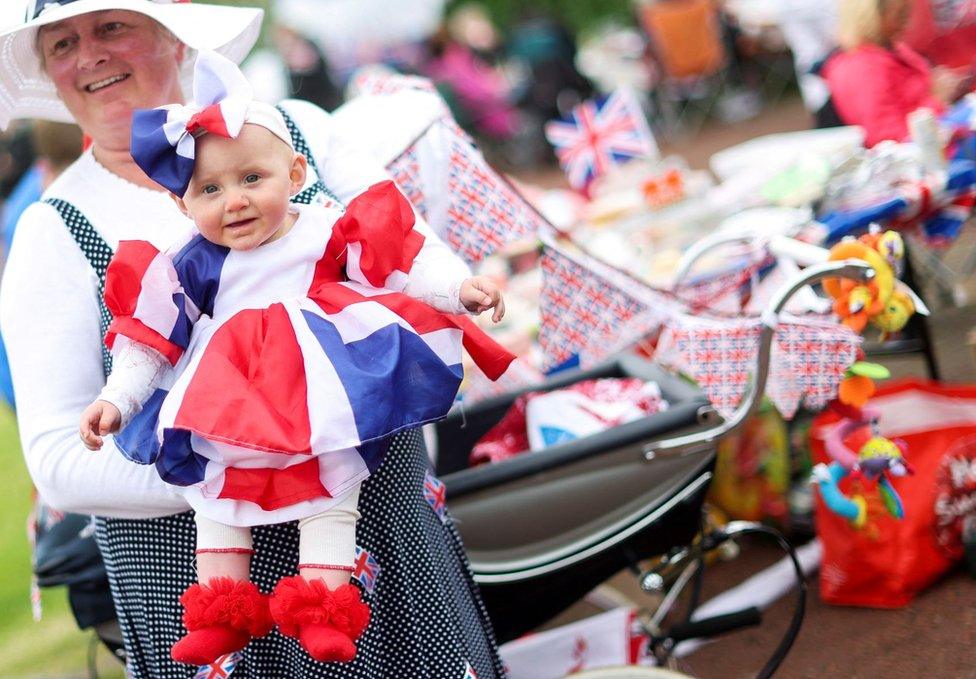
x=377, y=238
x=147, y=302
x=348, y=166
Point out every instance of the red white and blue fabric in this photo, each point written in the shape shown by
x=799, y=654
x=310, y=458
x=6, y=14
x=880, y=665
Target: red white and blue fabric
x=469, y=672
x=939, y=210
x=221, y=668
x=164, y=139
x=405, y=170
x=589, y=310
x=435, y=493
x=808, y=362
x=294, y=362
x=484, y=212
x=599, y=134
x=376, y=81
x=366, y=569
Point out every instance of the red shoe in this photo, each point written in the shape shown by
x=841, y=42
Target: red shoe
x=221, y=617
x=325, y=621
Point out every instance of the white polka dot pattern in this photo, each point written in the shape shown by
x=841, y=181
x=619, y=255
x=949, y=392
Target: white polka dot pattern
x=427, y=616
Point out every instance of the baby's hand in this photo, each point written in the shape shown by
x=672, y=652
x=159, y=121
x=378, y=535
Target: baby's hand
x=479, y=293
x=100, y=418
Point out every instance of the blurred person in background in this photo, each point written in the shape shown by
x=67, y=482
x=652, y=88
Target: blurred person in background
x=810, y=30
x=547, y=51
x=461, y=62
x=56, y=146
x=875, y=80
x=94, y=62
x=944, y=32
x=309, y=77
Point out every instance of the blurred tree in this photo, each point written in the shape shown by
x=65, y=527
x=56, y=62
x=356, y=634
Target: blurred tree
x=576, y=15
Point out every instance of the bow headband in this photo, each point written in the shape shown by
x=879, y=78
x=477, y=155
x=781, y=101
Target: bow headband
x=164, y=139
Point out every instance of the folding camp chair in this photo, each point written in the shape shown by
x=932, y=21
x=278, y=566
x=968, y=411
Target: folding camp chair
x=686, y=43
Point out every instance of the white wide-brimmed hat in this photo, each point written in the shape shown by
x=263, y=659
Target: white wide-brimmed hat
x=27, y=92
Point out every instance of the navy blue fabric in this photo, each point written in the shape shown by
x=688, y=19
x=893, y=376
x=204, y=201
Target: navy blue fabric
x=198, y=266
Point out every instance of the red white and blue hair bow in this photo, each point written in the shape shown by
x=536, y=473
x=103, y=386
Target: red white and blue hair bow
x=163, y=140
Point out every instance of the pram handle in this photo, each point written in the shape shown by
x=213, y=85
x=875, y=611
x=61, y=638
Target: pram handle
x=849, y=268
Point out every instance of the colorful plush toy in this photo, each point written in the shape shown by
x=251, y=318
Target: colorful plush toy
x=871, y=467
x=857, y=303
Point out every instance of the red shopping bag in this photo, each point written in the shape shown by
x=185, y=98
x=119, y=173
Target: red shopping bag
x=888, y=561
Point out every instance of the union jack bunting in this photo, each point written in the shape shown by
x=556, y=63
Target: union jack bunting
x=808, y=363
x=719, y=355
x=366, y=569
x=435, y=492
x=599, y=134
x=589, y=310
x=484, y=212
x=469, y=672
x=405, y=170
x=808, y=360
x=725, y=291
x=380, y=81
x=219, y=669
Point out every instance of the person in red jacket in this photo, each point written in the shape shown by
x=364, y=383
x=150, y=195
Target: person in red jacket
x=876, y=81
x=944, y=32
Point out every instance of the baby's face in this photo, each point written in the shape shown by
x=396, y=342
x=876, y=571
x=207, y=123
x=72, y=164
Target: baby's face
x=238, y=196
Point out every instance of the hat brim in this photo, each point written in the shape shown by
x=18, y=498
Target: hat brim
x=27, y=92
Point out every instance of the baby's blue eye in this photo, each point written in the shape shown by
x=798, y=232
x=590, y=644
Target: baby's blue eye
x=251, y=178
x=209, y=188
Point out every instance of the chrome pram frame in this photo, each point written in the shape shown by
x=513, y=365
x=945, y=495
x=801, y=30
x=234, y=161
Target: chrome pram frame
x=543, y=529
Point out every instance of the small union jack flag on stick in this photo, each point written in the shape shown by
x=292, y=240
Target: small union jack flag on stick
x=599, y=134
x=220, y=668
x=366, y=569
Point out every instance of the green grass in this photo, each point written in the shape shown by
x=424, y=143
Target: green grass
x=53, y=647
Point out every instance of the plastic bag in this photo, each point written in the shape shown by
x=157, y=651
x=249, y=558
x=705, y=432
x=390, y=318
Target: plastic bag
x=888, y=561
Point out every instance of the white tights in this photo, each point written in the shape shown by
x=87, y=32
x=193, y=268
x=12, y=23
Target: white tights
x=326, y=540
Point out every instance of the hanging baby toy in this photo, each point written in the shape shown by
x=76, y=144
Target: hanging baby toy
x=872, y=465
x=877, y=301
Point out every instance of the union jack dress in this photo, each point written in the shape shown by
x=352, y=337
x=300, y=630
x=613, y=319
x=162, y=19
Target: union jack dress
x=294, y=363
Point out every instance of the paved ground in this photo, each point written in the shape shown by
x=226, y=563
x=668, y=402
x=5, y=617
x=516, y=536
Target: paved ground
x=935, y=636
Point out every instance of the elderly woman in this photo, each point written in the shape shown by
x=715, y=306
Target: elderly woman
x=876, y=81
x=94, y=61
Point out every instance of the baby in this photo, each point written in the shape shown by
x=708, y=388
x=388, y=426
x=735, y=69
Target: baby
x=264, y=362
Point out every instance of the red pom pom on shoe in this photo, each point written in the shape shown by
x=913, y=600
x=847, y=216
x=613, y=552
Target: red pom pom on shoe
x=325, y=621
x=221, y=617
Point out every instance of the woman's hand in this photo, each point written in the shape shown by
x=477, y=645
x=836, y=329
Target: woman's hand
x=99, y=419
x=479, y=293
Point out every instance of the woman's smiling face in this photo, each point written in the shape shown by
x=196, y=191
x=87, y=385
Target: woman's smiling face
x=105, y=64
